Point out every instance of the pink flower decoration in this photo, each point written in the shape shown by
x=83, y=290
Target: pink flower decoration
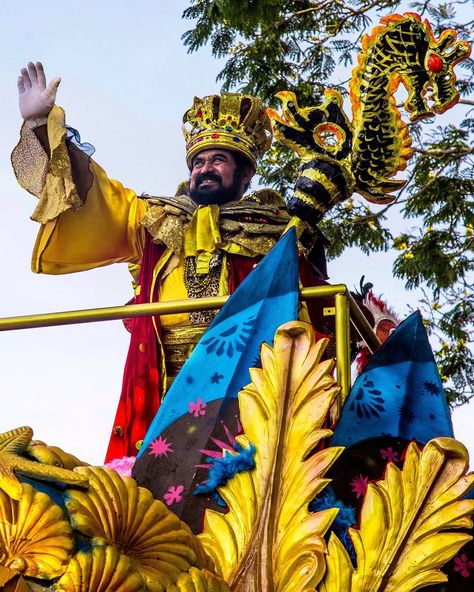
x=359, y=485
x=463, y=566
x=390, y=454
x=123, y=466
x=160, y=447
x=173, y=494
x=198, y=408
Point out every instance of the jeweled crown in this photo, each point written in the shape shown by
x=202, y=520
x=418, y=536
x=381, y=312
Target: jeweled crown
x=231, y=121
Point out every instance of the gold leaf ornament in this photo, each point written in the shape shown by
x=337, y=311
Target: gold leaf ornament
x=197, y=580
x=36, y=540
x=115, y=511
x=406, y=525
x=269, y=540
x=13, y=445
x=53, y=455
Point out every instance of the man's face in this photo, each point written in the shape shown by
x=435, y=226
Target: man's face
x=215, y=177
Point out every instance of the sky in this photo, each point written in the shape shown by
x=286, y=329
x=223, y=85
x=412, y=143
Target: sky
x=126, y=81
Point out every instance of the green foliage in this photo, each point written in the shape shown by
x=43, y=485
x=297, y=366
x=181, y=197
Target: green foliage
x=438, y=253
x=301, y=46
x=276, y=44
x=359, y=228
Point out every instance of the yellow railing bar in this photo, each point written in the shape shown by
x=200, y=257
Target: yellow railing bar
x=362, y=325
x=346, y=311
x=343, y=353
x=111, y=313
x=128, y=311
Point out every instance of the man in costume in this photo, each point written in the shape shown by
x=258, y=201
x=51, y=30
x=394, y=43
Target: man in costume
x=202, y=242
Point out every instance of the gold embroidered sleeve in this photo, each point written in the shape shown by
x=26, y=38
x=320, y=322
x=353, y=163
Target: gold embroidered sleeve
x=49, y=179
x=82, y=227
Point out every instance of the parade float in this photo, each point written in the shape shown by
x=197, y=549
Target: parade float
x=326, y=486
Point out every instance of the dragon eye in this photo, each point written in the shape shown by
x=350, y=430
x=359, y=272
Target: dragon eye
x=329, y=136
x=435, y=63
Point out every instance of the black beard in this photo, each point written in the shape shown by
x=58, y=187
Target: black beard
x=205, y=195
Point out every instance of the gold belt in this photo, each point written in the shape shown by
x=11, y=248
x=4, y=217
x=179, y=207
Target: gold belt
x=178, y=343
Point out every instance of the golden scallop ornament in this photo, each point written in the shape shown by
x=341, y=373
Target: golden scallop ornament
x=36, y=540
x=101, y=569
x=115, y=511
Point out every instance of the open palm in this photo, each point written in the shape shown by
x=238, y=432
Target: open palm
x=35, y=98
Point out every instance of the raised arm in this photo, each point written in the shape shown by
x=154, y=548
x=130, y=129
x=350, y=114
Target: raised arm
x=87, y=219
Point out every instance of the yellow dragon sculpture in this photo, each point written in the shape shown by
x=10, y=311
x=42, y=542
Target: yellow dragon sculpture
x=339, y=156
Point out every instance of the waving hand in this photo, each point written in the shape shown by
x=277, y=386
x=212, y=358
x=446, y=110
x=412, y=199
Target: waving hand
x=35, y=98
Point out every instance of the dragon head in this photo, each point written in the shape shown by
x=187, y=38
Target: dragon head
x=439, y=63
x=322, y=138
x=322, y=131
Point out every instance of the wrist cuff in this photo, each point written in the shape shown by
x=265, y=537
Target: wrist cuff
x=37, y=122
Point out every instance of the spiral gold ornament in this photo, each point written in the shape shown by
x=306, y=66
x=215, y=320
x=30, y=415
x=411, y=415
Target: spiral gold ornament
x=13, y=445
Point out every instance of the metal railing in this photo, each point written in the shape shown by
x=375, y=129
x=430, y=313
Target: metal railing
x=346, y=312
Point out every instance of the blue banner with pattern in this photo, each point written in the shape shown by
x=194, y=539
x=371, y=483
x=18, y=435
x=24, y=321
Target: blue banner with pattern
x=219, y=365
x=400, y=393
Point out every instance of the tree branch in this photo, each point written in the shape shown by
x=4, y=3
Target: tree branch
x=445, y=152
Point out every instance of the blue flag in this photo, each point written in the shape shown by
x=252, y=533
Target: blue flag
x=399, y=394
x=181, y=459
x=219, y=365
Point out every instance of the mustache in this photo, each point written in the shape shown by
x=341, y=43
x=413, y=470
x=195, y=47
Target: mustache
x=208, y=177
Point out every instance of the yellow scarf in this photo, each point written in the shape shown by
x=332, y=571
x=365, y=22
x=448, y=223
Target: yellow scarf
x=202, y=237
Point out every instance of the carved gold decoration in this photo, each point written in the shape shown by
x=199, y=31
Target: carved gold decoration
x=6, y=575
x=10, y=581
x=12, y=445
x=35, y=538
x=115, y=511
x=198, y=581
x=269, y=540
x=102, y=569
x=406, y=524
x=52, y=455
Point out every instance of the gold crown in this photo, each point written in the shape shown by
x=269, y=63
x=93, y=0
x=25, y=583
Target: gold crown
x=231, y=121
